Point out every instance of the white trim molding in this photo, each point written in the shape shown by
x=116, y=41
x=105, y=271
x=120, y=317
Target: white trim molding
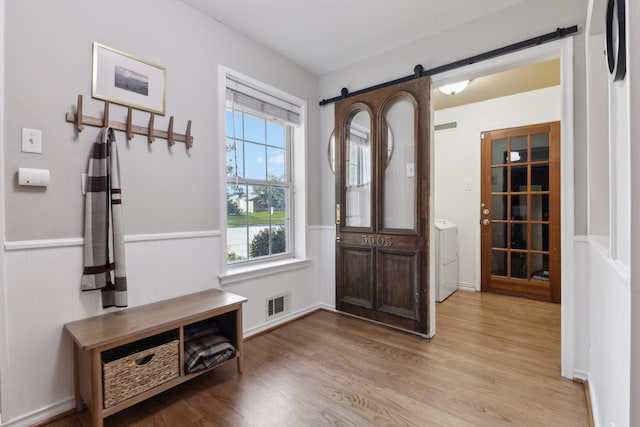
x=4, y=322
x=321, y=228
x=171, y=236
x=298, y=202
x=466, y=286
x=580, y=375
x=44, y=414
x=79, y=241
x=567, y=207
x=281, y=320
x=254, y=271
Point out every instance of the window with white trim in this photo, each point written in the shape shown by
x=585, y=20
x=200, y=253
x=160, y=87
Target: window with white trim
x=259, y=131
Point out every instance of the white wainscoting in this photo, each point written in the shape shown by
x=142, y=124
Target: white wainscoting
x=43, y=293
x=326, y=243
x=610, y=328
x=580, y=309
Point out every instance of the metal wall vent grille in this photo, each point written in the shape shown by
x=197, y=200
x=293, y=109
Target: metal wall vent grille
x=443, y=126
x=278, y=306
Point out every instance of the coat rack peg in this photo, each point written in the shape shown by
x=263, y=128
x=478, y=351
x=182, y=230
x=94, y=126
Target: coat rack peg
x=80, y=121
x=187, y=139
x=170, y=133
x=129, y=132
x=79, y=125
x=105, y=120
x=151, y=137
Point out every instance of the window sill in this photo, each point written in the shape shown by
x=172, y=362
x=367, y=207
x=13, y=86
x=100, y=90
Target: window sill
x=239, y=274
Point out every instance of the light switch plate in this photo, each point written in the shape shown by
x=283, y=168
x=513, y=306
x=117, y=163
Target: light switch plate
x=410, y=170
x=31, y=141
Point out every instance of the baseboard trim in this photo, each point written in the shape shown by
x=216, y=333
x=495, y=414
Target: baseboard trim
x=467, y=286
x=587, y=395
x=44, y=415
x=408, y=331
x=580, y=376
x=281, y=321
x=61, y=409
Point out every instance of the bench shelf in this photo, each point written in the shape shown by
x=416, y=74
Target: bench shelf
x=94, y=336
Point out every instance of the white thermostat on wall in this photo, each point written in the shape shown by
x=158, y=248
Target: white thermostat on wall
x=33, y=177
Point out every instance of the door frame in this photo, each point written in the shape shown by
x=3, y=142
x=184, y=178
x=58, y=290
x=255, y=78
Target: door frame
x=562, y=49
x=505, y=285
x=4, y=340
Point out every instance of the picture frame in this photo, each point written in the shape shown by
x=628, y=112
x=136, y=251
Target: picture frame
x=123, y=79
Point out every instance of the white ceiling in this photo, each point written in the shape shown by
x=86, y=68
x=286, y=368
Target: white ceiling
x=325, y=35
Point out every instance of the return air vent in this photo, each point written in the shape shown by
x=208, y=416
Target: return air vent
x=278, y=306
x=443, y=126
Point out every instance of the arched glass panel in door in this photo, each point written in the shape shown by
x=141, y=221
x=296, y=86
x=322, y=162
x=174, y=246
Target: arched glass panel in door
x=358, y=170
x=399, y=172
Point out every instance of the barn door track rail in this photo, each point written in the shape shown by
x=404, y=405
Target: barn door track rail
x=419, y=71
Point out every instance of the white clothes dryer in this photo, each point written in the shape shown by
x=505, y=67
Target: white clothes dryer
x=446, y=258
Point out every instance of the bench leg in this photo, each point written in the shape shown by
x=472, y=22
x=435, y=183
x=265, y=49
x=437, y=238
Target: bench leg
x=76, y=376
x=239, y=339
x=96, y=389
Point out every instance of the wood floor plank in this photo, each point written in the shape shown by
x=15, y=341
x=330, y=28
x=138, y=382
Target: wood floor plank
x=494, y=362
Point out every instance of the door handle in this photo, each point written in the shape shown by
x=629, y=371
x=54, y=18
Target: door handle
x=337, y=224
x=486, y=222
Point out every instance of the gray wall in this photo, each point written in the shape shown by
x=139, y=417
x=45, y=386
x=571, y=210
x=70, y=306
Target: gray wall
x=47, y=51
x=48, y=63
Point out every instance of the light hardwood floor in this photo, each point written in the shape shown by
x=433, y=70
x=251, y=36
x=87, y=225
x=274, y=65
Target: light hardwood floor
x=495, y=361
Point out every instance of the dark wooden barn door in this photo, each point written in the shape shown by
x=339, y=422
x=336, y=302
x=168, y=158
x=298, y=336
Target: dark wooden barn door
x=382, y=193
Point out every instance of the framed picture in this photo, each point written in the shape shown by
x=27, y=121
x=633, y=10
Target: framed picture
x=126, y=80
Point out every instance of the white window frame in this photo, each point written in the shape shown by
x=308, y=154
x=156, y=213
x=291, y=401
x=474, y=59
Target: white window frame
x=233, y=273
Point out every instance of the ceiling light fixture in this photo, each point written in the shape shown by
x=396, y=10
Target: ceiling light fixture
x=453, y=88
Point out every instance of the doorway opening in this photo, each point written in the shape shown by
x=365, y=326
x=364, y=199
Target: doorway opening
x=457, y=179
x=520, y=211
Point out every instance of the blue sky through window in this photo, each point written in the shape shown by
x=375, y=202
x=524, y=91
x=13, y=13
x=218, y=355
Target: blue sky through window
x=256, y=147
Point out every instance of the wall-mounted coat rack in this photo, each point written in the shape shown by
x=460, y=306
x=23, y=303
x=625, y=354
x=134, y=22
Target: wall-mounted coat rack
x=129, y=128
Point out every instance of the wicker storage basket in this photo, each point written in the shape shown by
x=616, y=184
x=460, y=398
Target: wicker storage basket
x=136, y=373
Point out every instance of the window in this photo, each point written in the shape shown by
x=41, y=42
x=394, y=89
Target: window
x=260, y=135
x=258, y=186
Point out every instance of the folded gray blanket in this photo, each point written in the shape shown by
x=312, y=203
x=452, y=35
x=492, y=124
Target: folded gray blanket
x=203, y=350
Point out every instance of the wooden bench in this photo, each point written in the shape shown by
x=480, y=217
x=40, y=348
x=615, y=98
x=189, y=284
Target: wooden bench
x=95, y=335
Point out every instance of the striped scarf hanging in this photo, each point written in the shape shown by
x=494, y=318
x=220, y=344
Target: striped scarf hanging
x=104, y=259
